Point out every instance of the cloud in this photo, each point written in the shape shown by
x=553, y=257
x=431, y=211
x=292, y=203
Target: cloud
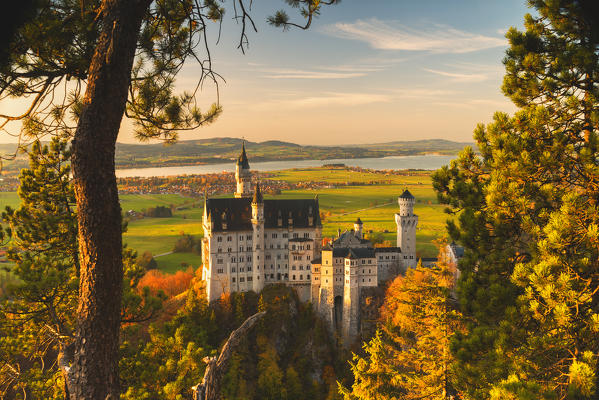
x=311, y=74
x=460, y=77
x=327, y=99
x=394, y=36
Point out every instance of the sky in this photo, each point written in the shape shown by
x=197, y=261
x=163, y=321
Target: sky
x=367, y=71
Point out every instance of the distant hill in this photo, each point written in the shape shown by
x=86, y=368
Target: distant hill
x=218, y=150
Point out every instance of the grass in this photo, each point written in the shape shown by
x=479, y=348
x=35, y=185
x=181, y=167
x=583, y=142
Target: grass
x=9, y=199
x=342, y=205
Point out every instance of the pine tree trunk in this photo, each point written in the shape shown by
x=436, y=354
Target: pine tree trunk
x=94, y=371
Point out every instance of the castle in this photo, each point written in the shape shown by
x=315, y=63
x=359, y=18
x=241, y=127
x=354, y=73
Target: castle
x=250, y=242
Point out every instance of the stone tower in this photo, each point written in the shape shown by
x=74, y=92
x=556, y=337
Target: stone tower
x=257, y=240
x=243, y=176
x=406, y=222
x=358, y=228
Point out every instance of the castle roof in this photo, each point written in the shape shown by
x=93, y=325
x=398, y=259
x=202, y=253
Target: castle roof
x=387, y=249
x=348, y=239
x=406, y=195
x=352, y=252
x=238, y=213
x=242, y=161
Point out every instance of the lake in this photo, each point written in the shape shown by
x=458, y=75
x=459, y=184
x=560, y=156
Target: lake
x=426, y=162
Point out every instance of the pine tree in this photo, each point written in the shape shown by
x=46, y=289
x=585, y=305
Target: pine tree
x=527, y=217
x=38, y=315
x=119, y=56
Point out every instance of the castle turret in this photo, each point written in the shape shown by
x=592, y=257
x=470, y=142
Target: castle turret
x=358, y=228
x=258, y=276
x=406, y=222
x=243, y=176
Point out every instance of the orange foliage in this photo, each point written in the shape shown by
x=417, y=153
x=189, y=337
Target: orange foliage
x=170, y=284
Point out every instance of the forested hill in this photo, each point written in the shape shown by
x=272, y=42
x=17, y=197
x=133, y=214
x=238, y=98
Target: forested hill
x=218, y=150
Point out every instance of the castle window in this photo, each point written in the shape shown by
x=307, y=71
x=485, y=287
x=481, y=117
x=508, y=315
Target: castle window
x=274, y=235
x=327, y=281
x=219, y=260
x=295, y=235
x=267, y=257
x=308, y=246
x=369, y=261
x=362, y=279
x=233, y=279
x=272, y=276
x=308, y=277
x=301, y=267
x=278, y=245
x=380, y=257
x=250, y=278
x=293, y=276
x=232, y=259
x=240, y=248
x=241, y=238
x=219, y=239
x=293, y=267
x=248, y=248
x=228, y=249
x=285, y=235
x=272, y=266
x=363, y=261
x=393, y=257
x=220, y=271
x=240, y=269
x=308, y=267
x=248, y=237
x=272, y=246
x=286, y=246
x=233, y=269
x=220, y=250
x=368, y=279
x=369, y=271
x=292, y=247
x=249, y=258
x=229, y=238
x=405, y=257
x=411, y=257
x=249, y=269
x=307, y=235
x=301, y=277
x=242, y=279
x=315, y=278
x=286, y=256
x=278, y=256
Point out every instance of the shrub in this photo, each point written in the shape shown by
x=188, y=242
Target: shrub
x=170, y=284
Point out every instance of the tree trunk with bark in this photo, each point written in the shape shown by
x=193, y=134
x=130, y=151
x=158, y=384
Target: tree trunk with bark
x=93, y=373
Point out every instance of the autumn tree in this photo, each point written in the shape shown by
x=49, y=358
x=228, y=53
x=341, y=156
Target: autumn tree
x=83, y=65
x=409, y=357
x=527, y=217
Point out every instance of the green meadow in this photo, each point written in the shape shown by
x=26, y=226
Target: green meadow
x=374, y=201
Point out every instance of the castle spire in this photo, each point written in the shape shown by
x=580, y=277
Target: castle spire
x=242, y=161
x=258, y=198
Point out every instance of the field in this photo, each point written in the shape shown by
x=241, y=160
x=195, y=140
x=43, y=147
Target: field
x=372, y=197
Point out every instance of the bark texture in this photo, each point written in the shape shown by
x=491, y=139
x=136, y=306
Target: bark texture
x=94, y=370
x=209, y=389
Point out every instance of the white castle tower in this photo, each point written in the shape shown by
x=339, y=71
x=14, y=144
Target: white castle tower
x=258, y=276
x=406, y=222
x=243, y=176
